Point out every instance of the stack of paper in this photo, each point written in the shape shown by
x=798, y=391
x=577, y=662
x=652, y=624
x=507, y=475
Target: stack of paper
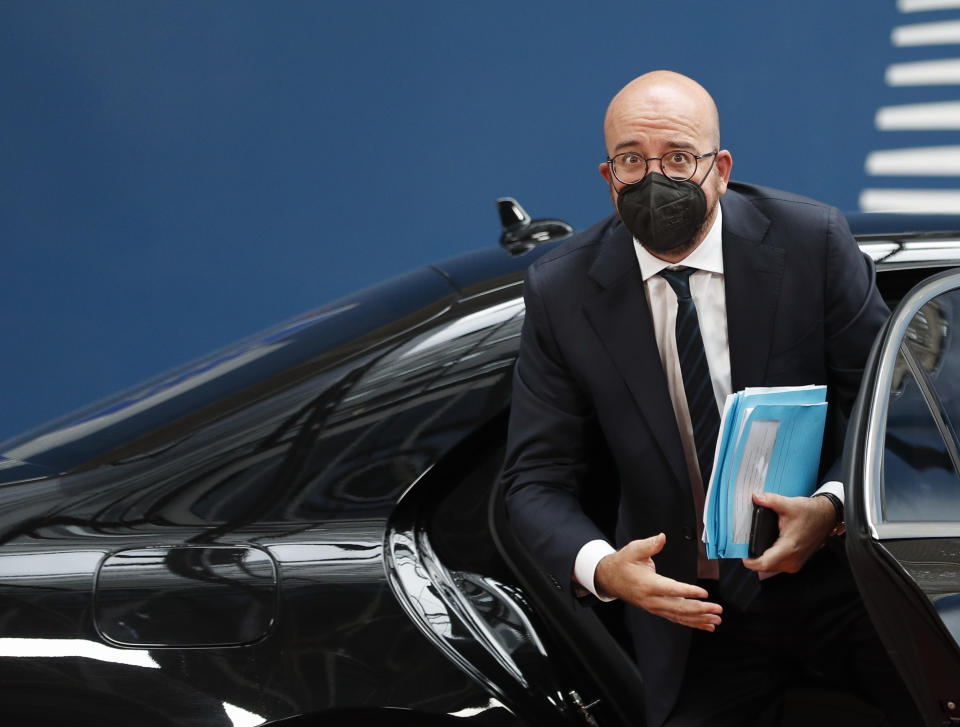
x=769, y=441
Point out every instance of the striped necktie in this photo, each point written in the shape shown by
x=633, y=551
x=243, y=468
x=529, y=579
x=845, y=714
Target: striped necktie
x=738, y=585
x=697, y=385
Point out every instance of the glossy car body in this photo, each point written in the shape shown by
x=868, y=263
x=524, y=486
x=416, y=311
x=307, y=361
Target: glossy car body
x=305, y=527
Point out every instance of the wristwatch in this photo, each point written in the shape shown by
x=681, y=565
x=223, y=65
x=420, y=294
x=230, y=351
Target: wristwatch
x=840, y=527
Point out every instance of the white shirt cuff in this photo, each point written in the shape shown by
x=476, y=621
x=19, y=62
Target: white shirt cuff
x=834, y=488
x=586, y=564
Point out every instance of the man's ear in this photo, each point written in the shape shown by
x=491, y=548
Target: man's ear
x=724, y=167
x=605, y=171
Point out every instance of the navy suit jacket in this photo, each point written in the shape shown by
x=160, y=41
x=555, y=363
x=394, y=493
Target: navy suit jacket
x=802, y=308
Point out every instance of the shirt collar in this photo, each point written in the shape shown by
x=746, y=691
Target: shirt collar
x=708, y=255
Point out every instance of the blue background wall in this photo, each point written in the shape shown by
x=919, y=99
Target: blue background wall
x=174, y=176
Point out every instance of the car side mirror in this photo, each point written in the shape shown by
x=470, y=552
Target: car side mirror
x=521, y=233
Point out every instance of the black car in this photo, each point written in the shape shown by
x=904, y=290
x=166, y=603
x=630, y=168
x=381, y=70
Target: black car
x=305, y=527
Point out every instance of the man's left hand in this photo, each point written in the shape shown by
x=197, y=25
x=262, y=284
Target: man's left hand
x=805, y=522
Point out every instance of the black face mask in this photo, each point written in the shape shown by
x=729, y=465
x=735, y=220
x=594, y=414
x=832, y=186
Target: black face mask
x=661, y=213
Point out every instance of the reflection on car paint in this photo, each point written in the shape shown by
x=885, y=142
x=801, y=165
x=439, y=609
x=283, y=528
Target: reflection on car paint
x=239, y=717
x=82, y=648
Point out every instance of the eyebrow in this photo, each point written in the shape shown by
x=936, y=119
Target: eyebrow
x=680, y=145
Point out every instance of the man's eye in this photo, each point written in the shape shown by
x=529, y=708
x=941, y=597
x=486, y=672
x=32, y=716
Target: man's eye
x=632, y=159
x=678, y=157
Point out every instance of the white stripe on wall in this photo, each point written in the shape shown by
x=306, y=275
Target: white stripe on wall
x=912, y=6
x=930, y=161
x=939, y=115
x=945, y=32
x=924, y=73
x=910, y=200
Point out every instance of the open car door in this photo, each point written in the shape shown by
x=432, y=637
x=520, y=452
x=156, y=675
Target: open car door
x=902, y=470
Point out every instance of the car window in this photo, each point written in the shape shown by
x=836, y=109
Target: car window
x=920, y=477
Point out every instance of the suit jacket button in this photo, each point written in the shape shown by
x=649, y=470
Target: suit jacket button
x=686, y=532
x=556, y=583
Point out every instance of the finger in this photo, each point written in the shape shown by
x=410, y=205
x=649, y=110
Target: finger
x=646, y=548
x=697, y=625
x=698, y=622
x=685, y=607
x=777, y=503
x=695, y=620
x=770, y=559
x=657, y=586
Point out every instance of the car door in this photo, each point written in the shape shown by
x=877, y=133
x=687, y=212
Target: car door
x=903, y=493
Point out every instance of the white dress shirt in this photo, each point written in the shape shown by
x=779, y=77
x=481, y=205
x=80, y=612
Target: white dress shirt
x=708, y=293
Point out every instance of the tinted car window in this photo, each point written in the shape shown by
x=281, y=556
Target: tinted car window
x=921, y=481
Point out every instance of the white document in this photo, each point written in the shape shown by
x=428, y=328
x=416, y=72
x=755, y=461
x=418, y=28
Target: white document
x=752, y=473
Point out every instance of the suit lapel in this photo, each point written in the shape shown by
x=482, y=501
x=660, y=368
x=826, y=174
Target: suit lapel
x=753, y=274
x=620, y=316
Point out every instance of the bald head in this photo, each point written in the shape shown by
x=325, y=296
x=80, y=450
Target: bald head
x=663, y=94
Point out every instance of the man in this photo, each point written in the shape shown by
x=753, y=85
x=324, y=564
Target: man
x=636, y=330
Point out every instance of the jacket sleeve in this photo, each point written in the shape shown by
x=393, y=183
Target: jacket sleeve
x=854, y=313
x=551, y=422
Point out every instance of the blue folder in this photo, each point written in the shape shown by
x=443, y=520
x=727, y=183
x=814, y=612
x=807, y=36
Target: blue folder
x=770, y=441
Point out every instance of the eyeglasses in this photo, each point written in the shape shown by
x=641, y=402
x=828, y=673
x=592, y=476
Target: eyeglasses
x=630, y=167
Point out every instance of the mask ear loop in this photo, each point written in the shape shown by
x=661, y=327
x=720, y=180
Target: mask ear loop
x=713, y=163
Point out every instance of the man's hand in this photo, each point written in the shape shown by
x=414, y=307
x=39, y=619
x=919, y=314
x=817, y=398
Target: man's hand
x=630, y=574
x=805, y=522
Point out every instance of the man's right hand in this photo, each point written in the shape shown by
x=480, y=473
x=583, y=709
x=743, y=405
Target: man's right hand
x=629, y=574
